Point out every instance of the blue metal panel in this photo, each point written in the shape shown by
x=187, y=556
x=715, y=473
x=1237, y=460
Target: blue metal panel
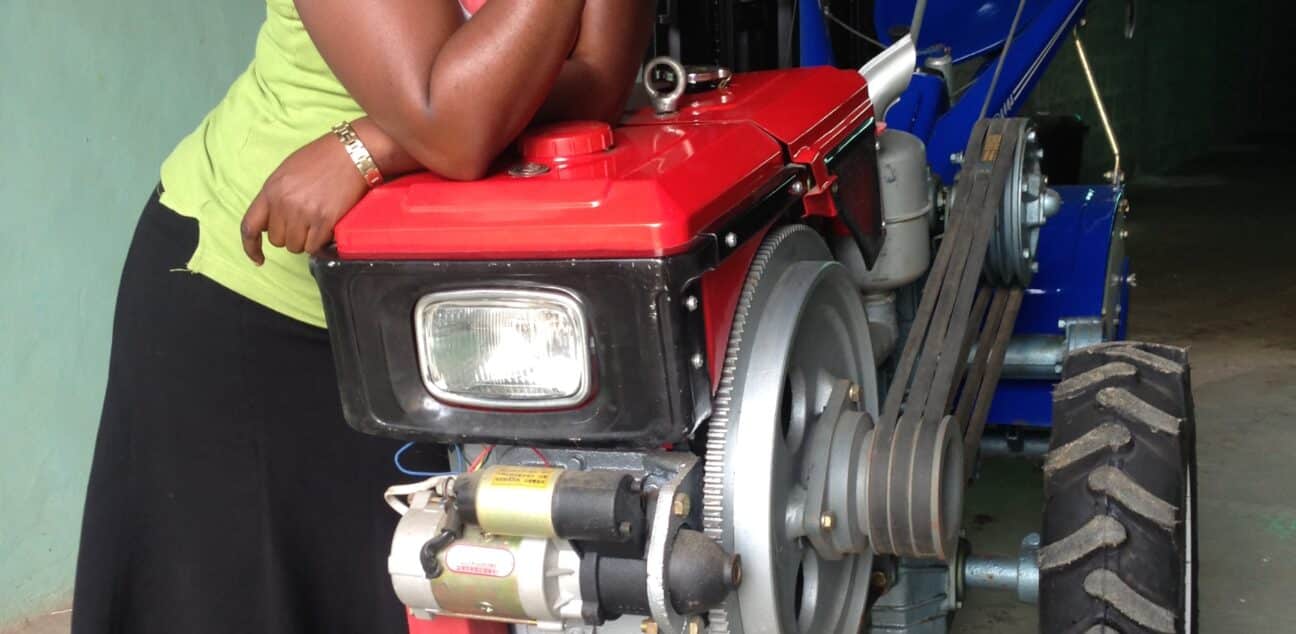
x=1073, y=251
x=1029, y=55
x=918, y=107
x=816, y=48
x=967, y=27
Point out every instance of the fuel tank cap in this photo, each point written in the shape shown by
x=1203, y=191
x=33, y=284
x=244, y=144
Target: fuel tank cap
x=566, y=140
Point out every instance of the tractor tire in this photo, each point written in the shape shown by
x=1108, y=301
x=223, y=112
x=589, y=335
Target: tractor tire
x=1119, y=550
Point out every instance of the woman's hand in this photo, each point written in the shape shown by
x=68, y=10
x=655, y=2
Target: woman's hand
x=303, y=199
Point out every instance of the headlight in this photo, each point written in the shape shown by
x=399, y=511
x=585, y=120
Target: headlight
x=503, y=348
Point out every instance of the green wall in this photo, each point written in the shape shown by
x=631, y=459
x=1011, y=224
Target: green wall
x=1199, y=74
x=92, y=97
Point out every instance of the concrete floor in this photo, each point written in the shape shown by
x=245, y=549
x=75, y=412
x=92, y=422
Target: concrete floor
x=1214, y=251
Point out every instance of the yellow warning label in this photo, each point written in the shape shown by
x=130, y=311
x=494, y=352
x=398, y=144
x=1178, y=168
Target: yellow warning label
x=523, y=477
x=990, y=151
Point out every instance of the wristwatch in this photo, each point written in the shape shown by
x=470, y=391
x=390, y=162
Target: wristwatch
x=359, y=154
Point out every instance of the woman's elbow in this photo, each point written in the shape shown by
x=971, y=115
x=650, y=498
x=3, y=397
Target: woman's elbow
x=468, y=161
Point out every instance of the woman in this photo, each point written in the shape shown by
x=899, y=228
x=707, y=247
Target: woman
x=227, y=493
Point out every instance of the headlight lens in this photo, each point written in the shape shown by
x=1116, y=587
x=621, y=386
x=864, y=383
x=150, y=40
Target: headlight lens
x=503, y=348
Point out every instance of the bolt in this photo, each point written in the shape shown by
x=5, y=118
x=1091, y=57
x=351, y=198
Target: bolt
x=625, y=528
x=827, y=521
x=1032, y=136
x=878, y=579
x=797, y=188
x=854, y=393
x=681, y=504
x=648, y=626
x=1034, y=267
x=735, y=572
x=694, y=625
x=1124, y=233
x=731, y=240
x=486, y=608
x=691, y=303
x=1025, y=254
x=1124, y=206
x=1132, y=280
x=1057, y=368
x=956, y=158
x=835, y=187
x=697, y=361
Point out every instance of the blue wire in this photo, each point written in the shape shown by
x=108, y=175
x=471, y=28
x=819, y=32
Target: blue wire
x=396, y=459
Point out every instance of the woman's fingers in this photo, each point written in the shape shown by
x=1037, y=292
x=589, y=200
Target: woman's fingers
x=317, y=237
x=254, y=224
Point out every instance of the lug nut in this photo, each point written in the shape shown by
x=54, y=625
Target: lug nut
x=827, y=521
x=681, y=504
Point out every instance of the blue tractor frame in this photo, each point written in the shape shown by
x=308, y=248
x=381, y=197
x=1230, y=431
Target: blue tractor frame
x=1083, y=279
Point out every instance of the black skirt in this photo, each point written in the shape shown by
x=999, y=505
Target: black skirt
x=227, y=493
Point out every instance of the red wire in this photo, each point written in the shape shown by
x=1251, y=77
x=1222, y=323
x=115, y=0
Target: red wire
x=481, y=457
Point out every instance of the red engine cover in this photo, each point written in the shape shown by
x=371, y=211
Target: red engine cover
x=663, y=181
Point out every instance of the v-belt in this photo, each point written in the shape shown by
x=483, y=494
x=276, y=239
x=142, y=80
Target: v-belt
x=908, y=508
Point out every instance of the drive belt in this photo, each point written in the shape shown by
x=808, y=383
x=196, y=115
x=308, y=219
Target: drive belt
x=928, y=424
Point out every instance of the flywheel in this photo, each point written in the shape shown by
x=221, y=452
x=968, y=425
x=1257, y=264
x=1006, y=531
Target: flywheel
x=790, y=424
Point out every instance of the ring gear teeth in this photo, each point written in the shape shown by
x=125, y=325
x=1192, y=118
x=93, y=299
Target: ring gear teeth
x=713, y=474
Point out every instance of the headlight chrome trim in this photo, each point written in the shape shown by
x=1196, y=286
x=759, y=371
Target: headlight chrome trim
x=553, y=297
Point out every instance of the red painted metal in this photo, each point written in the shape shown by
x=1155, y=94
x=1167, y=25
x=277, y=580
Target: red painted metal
x=567, y=140
x=447, y=625
x=649, y=196
x=663, y=181
x=721, y=288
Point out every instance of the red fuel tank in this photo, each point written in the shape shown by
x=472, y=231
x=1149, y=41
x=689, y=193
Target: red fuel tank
x=647, y=188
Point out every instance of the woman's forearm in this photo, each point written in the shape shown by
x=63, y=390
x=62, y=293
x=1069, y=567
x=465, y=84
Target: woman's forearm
x=454, y=93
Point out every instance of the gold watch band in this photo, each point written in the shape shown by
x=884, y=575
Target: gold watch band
x=359, y=154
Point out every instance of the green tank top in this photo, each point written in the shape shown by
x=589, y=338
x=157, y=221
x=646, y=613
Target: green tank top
x=286, y=98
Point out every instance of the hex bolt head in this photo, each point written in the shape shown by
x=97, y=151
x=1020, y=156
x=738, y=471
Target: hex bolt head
x=956, y=158
x=1132, y=280
x=681, y=504
x=797, y=188
x=697, y=361
x=827, y=520
x=731, y=240
x=1124, y=233
x=854, y=393
x=691, y=303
